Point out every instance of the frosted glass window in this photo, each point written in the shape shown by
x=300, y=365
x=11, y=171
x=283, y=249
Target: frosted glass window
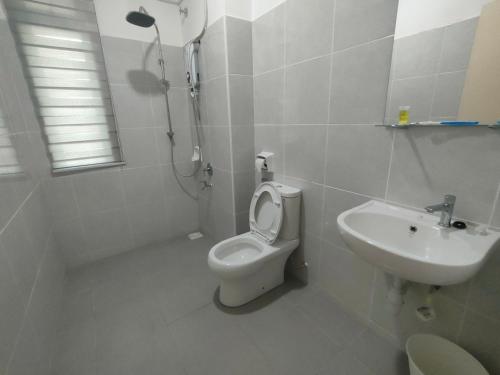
x=59, y=43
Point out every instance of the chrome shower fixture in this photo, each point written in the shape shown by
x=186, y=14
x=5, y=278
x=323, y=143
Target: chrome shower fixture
x=142, y=18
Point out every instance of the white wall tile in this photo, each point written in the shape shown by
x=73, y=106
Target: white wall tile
x=143, y=186
x=347, y=277
x=309, y=29
x=427, y=164
x=108, y=233
x=358, y=159
x=139, y=147
x=306, y=97
x=99, y=191
x=305, y=151
x=479, y=336
x=269, y=40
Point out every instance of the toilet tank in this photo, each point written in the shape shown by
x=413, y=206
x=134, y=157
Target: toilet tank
x=291, y=198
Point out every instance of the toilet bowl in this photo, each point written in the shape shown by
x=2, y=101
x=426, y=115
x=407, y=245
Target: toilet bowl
x=253, y=263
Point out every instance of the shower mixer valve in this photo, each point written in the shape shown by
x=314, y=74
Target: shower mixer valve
x=209, y=169
x=206, y=185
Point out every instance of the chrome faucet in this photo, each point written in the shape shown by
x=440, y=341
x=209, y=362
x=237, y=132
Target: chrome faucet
x=446, y=209
x=206, y=185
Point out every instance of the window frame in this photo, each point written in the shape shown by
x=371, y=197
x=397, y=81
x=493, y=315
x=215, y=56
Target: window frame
x=116, y=147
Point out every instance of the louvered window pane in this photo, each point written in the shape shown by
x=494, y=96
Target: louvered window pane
x=62, y=55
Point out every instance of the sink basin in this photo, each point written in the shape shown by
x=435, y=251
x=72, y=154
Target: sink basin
x=409, y=244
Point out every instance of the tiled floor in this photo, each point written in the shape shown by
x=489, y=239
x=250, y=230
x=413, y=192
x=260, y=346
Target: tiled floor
x=152, y=311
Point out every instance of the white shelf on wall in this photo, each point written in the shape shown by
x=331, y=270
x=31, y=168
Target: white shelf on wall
x=418, y=125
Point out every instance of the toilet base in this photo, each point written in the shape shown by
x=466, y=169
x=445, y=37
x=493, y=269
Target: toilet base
x=237, y=292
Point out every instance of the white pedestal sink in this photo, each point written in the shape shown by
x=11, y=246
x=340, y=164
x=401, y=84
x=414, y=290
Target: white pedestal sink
x=409, y=244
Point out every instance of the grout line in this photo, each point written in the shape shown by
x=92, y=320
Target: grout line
x=496, y=204
x=283, y=87
x=323, y=192
x=435, y=76
x=297, y=63
x=318, y=124
x=309, y=59
x=329, y=116
x=229, y=119
x=215, y=78
x=408, y=78
x=461, y=325
x=330, y=76
x=227, y=15
x=385, y=334
x=390, y=166
x=400, y=204
x=77, y=204
x=191, y=312
x=30, y=298
x=126, y=205
x=314, y=323
x=476, y=312
x=352, y=192
x=327, y=137
x=276, y=5
x=19, y=208
x=482, y=314
x=372, y=294
x=385, y=198
x=239, y=75
x=390, y=83
x=263, y=73
x=364, y=44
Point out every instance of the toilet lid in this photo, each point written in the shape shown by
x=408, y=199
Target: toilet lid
x=266, y=212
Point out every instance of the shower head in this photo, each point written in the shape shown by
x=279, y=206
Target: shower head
x=140, y=18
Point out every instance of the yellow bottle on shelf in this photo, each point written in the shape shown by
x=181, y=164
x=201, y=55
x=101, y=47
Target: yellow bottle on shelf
x=404, y=115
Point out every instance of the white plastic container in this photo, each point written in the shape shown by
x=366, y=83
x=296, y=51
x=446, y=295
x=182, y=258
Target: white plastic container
x=433, y=355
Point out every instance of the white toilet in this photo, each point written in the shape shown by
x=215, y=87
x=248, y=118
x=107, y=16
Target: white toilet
x=253, y=263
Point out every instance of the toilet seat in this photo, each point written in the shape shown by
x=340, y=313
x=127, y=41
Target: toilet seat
x=266, y=213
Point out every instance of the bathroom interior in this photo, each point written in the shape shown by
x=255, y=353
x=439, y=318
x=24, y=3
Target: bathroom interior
x=234, y=187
